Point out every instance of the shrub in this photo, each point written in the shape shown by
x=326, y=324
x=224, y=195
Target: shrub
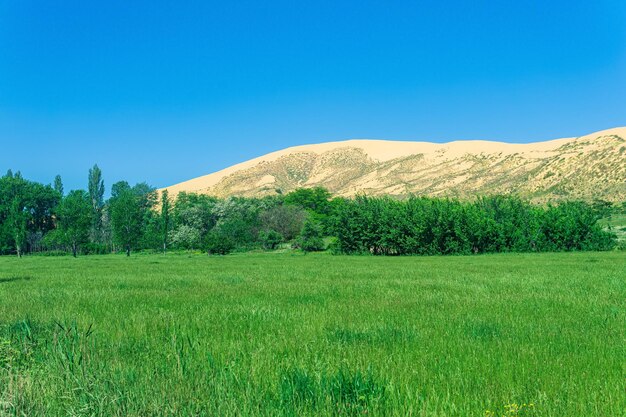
x=218, y=243
x=270, y=239
x=310, y=239
x=185, y=237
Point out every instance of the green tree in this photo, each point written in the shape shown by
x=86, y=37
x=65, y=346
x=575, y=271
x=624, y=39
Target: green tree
x=316, y=200
x=58, y=185
x=311, y=237
x=194, y=211
x=16, y=221
x=130, y=208
x=287, y=220
x=185, y=237
x=165, y=218
x=270, y=239
x=74, y=219
x=219, y=242
x=26, y=210
x=96, y=195
x=238, y=220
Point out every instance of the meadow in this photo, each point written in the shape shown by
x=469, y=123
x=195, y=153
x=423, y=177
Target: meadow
x=286, y=334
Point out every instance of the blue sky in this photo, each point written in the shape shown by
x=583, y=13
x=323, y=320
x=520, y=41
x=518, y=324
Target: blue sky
x=164, y=91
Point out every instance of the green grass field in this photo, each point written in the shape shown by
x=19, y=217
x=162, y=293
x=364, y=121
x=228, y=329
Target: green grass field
x=287, y=334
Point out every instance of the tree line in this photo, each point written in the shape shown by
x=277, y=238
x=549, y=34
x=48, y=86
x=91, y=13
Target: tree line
x=42, y=218
x=427, y=226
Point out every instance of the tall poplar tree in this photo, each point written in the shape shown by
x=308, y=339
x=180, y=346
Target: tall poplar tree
x=96, y=196
x=58, y=185
x=165, y=218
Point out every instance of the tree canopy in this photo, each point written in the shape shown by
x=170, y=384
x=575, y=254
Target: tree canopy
x=36, y=217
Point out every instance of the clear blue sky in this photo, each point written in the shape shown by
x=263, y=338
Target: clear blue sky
x=163, y=91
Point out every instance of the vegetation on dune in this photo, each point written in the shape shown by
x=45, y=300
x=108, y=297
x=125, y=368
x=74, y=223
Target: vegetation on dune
x=40, y=218
x=586, y=168
x=316, y=335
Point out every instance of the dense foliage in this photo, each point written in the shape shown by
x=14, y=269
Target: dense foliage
x=41, y=218
x=26, y=213
x=427, y=226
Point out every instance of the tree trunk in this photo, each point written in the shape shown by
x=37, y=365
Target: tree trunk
x=74, y=249
x=127, y=250
x=19, y=251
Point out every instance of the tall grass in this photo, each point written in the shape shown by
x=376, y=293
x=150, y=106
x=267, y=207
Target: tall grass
x=293, y=335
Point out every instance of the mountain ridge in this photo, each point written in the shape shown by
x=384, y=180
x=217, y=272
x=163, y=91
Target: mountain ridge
x=588, y=167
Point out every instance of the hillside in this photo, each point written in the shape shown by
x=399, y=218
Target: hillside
x=588, y=167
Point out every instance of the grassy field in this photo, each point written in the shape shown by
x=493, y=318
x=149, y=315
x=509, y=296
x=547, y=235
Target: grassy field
x=287, y=334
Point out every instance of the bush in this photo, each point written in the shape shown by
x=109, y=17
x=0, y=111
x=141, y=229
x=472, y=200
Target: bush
x=311, y=238
x=185, y=237
x=219, y=244
x=270, y=239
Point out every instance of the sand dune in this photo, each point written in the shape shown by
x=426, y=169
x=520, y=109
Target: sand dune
x=590, y=166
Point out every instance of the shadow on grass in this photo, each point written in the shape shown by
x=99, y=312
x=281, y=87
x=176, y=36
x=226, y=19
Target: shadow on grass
x=4, y=280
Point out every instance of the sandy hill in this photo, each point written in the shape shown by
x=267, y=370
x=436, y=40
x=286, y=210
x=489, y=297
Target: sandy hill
x=587, y=167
